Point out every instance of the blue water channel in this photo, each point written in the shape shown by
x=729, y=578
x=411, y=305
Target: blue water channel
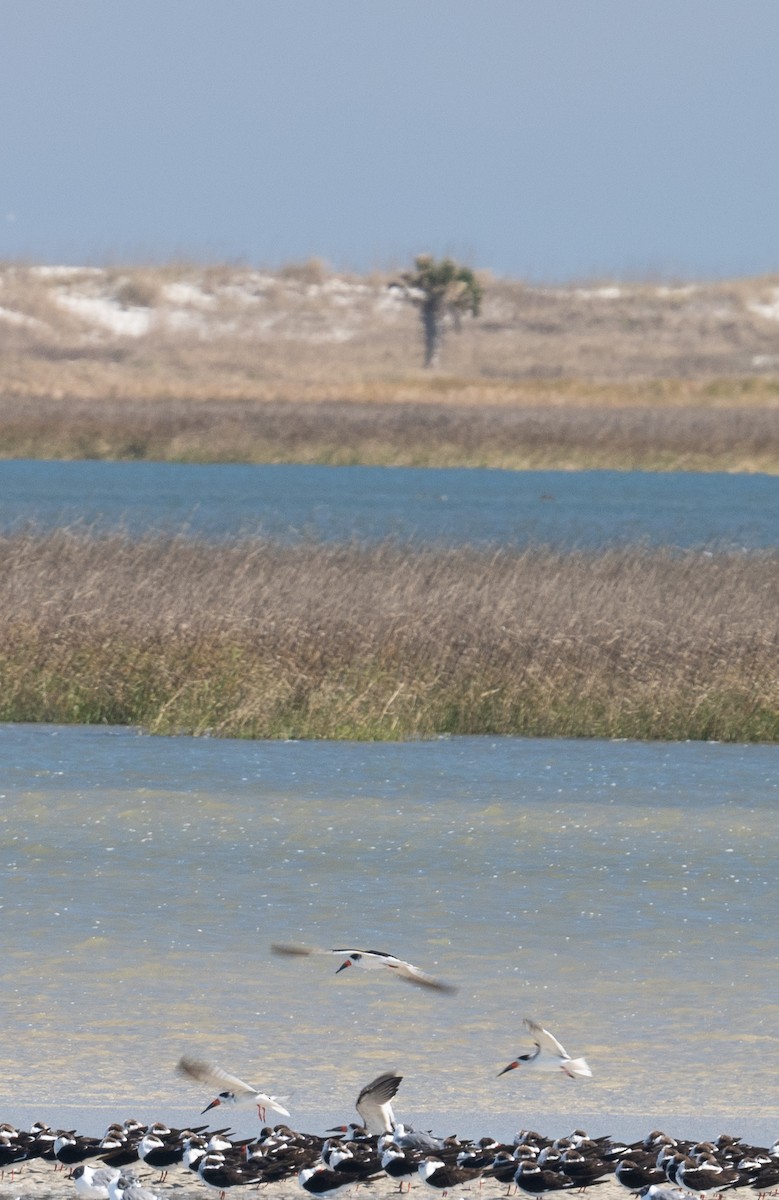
x=567, y=510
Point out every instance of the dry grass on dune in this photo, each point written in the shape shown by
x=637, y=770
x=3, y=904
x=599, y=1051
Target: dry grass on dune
x=255, y=639
x=302, y=364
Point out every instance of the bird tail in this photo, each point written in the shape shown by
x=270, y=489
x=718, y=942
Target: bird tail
x=577, y=1067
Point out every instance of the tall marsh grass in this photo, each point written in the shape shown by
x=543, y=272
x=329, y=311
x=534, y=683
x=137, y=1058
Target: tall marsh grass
x=254, y=639
x=680, y=437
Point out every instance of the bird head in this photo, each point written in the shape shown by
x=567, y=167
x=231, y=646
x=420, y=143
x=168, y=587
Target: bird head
x=222, y=1098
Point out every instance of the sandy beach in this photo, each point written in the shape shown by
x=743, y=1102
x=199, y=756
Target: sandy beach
x=40, y=1180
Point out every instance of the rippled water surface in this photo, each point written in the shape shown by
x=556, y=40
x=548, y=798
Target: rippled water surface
x=563, y=508
x=625, y=894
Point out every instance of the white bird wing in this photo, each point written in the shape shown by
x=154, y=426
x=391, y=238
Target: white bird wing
x=544, y=1039
x=299, y=950
x=405, y=970
x=272, y=1102
x=413, y=974
x=373, y=1103
x=215, y=1077
x=223, y=1081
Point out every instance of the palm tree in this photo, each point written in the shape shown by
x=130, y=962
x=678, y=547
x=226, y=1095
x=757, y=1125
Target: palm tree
x=440, y=289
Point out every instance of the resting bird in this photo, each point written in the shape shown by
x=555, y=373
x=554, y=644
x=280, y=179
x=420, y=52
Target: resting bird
x=370, y=960
x=548, y=1055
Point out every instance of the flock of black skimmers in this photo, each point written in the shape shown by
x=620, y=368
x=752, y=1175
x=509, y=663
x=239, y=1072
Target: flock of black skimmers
x=658, y=1167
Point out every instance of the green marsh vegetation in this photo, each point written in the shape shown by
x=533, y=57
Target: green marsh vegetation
x=228, y=364
x=254, y=639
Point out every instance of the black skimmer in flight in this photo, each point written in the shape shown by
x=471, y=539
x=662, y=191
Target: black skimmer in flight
x=232, y=1090
x=371, y=960
x=548, y=1055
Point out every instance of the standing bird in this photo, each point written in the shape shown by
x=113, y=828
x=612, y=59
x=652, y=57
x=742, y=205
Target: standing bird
x=400, y=1165
x=548, y=1055
x=437, y=1174
x=370, y=960
x=319, y=1180
x=537, y=1181
x=232, y=1089
x=373, y=1103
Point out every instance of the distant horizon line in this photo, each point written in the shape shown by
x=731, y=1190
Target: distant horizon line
x=317, y=263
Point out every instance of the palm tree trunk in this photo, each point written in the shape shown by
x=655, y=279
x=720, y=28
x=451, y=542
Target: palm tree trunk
x=432, y=326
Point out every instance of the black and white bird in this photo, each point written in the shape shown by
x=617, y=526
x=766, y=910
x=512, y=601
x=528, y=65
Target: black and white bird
x=161, y=1153
x=219, y=1172
x=320, y=1180
x=444, y=1176
x=92, y=1182
x=374, y=1103
x=639, y=1172
x=400, y=1165
x=357, y=1161
x=705, y=1175
x=548, y=1055
x=375, y=1108
x=232, y=1090
x=537, y=1181
x=71, y=1148
x=370, y=960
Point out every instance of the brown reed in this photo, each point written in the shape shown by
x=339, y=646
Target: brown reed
x=255, y=639
x=677, y=438
x=223, y=363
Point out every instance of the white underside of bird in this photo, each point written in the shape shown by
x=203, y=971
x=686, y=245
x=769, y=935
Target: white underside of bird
x=232, y=1090
x=549, y=1055
x=373, y=1103
x=92, y=1182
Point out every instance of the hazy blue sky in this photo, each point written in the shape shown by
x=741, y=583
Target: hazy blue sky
x=546, y=139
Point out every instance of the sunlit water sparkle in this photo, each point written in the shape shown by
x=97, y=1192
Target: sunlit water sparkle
x=623, y=893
